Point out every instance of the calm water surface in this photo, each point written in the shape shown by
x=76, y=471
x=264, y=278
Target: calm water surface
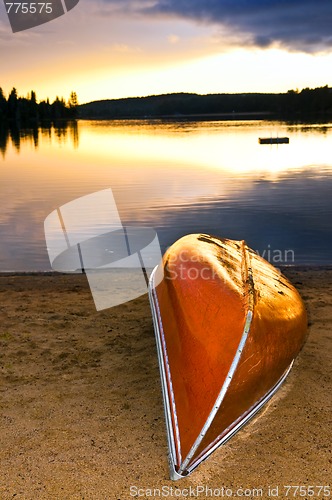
x=177, y=177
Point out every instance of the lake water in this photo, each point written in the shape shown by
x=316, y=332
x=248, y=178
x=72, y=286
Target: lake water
x=176, y=177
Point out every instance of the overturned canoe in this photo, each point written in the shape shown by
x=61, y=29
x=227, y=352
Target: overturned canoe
x=228, y=327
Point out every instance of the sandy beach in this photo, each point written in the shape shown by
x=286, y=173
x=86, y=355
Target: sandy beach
x=81, y=406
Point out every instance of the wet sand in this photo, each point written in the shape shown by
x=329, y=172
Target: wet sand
x=81, y=408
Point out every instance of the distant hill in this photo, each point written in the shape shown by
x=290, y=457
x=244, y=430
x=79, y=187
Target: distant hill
x=292, y=103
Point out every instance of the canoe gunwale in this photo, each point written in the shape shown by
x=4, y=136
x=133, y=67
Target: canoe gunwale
x=172, y=429
x=222, y=392
x=173, y=437
x=241, y=421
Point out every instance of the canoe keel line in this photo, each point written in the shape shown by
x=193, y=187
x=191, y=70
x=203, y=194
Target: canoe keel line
x=226, y=340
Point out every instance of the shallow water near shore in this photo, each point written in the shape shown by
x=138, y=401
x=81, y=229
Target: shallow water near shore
x=176, y=177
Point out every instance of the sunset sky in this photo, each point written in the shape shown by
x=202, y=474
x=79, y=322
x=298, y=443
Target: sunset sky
x=120, y=48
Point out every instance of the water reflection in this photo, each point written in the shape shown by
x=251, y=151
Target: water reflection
x=13, y=135
x=176, y=177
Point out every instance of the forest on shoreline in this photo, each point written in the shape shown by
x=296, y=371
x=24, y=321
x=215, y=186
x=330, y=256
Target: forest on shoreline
x=28, y=112
x=22, y=112
x=294, y=104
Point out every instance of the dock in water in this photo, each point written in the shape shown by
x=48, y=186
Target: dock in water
x=273, y=140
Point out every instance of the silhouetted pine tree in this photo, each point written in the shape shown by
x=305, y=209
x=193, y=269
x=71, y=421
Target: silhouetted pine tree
x=12, y=105
x=33, y=107
x=73, y=104
x=45, y=110
x=59, y=109
x=3, y=106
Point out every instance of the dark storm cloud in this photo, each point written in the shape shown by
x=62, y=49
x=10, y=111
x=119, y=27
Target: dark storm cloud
x=298, y=24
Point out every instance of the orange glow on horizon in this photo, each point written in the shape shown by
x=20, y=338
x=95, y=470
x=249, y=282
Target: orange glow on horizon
x=130, y=74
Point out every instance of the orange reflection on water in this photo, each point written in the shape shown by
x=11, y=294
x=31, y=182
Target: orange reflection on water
x=159, y=169
x=151, y=164
x=228, y=145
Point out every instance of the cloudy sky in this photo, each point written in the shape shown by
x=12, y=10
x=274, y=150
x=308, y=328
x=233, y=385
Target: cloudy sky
x=119, y=48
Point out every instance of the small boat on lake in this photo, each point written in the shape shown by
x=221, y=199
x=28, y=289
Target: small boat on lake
x=228, y=327
x=273, y=140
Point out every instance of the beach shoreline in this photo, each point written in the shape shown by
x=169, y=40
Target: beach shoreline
x=81, y=405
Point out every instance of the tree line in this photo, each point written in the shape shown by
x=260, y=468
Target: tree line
x=27, y=111
x=292, y=104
